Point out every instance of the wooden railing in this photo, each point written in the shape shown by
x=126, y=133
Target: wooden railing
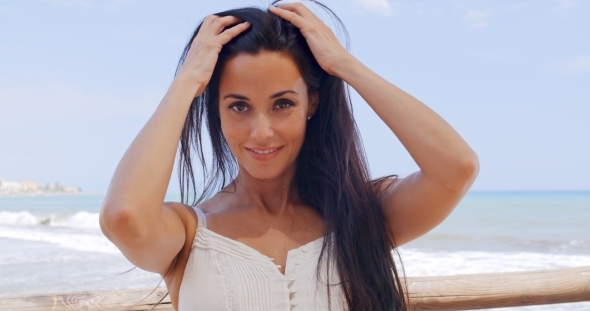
x=457, y=292
x=496, y=290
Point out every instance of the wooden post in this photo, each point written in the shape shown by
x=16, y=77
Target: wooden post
x=456, y=292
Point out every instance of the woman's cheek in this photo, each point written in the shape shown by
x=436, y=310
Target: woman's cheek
x=232, y=134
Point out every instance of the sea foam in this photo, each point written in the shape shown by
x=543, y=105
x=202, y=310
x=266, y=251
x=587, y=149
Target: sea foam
x=427, y=263
x=80, y=219
x=18, y=218
x=92, y=240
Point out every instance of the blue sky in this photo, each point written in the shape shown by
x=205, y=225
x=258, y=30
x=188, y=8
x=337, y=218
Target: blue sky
x=79, y=78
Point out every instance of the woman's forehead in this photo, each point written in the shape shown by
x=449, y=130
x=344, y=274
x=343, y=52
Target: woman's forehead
x=264, y=74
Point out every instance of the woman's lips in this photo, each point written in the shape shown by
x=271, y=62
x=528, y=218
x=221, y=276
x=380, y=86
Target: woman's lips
x=264, y=154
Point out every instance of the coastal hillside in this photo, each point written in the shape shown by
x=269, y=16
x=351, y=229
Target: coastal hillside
x=31, y=188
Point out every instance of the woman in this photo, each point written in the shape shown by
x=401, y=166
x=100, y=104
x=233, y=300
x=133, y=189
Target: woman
x=291, y=220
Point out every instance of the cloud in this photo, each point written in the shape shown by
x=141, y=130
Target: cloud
x=375, y=6
x=478, y=18
x=565, y=4
x=581, y=63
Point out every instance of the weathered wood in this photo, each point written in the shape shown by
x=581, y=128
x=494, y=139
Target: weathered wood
x=494, y=290
x=137, y=299
x=457, y=292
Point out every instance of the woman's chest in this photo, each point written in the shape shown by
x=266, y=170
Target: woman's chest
x=222, y=274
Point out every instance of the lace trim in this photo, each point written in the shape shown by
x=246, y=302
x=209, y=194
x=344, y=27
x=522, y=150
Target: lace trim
x=231, y=301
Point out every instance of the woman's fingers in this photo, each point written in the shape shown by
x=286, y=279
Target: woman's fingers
x=301, y=10
x=290, y=16
x=232, y=32
x=222, y=22
x=324, y=45
x=213, y=25
x=217, y=29
x=202, y=56
x=208, y=20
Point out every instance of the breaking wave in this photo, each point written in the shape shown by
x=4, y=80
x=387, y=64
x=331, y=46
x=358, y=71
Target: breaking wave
x=80, y=219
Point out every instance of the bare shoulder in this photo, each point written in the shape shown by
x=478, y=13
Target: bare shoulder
x=218, y=203
x=386, y=183
x=184, y=211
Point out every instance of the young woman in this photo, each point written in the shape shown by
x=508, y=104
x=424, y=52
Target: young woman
x=289, y=218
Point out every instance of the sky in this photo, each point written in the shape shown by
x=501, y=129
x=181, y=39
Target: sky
x=79, y=78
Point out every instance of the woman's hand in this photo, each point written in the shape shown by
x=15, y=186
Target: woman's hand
x=204, y=50
x=324, y=45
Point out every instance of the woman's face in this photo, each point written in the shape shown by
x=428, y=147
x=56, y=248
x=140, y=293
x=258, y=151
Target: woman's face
x=263, y=107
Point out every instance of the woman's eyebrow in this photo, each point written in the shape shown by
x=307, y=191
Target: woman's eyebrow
x=242, y=97
x=281, y=93
x=236, y=96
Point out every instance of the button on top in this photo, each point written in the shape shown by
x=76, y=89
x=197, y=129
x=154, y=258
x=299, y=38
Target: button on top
x=292, y=277
x=304, y=249
x=292, y=290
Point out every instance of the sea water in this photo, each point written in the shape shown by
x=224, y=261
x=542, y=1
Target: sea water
x=53, y=244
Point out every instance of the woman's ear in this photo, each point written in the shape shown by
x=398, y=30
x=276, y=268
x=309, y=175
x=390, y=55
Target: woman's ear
x=314, y=99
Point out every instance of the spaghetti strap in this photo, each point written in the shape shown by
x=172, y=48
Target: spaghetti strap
x=201, y=216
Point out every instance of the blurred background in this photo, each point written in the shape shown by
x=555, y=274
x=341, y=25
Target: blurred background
x=79, y=78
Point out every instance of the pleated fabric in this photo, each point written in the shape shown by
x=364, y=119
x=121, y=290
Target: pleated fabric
x=226, y=275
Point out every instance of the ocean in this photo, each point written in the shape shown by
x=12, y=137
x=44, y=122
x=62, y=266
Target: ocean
x=53, y=244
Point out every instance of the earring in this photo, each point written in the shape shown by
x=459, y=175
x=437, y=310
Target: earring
x=308, y=118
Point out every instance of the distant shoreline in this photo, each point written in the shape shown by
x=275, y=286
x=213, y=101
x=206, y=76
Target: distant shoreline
x=28, y=195
x=516, y=192
x=177, y=195
x=31, y=188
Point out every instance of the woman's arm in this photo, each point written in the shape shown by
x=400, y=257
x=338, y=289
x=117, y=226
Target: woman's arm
x=448, y=166
x=133, y=216
x=415, y=204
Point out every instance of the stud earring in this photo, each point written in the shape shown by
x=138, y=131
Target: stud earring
x=308, y=118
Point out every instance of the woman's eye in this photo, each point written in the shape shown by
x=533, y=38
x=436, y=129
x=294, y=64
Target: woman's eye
x=284, y=103
x=238, y=107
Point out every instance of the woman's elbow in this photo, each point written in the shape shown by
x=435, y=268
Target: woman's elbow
x=463, y=173
x=120, y=225
x=469, y=168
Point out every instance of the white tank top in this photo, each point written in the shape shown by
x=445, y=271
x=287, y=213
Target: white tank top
x=223, y=274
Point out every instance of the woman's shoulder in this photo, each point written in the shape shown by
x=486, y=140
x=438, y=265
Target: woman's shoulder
x=213, y=204
x=218, y=203
x=185, y=212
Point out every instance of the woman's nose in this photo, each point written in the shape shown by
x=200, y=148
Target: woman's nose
x=261, y=127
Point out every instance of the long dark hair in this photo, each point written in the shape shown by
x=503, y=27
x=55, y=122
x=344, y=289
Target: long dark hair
x=332, y=175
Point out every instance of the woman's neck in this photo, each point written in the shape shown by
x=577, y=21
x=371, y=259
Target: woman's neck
x=276, y=195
